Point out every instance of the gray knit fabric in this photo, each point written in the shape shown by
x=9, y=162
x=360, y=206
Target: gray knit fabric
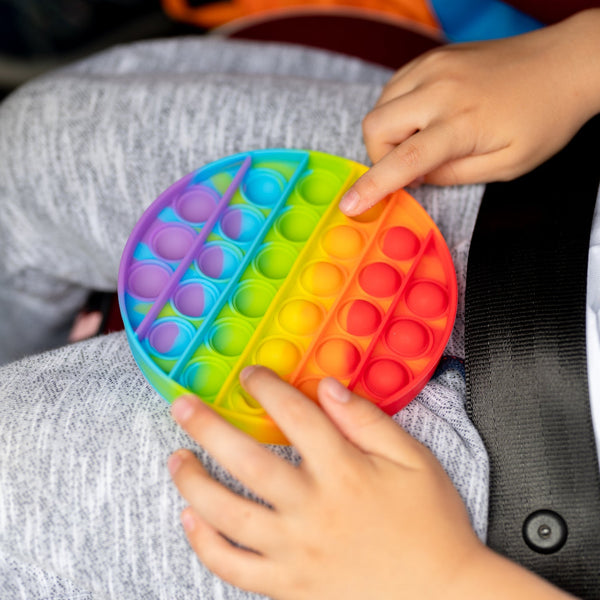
x=87, y=508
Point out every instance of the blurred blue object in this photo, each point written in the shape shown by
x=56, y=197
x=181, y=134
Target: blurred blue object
x=476, y=20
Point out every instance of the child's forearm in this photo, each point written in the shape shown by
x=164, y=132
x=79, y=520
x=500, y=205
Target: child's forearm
x=579, y=51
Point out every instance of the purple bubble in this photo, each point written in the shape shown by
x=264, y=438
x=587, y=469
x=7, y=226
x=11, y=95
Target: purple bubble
x=163, y=337
x=172, y=242
x=212, y=261
x=147, y=280
x=241, y=225
x=190, y=299
x=197, y=203
x=232, y=223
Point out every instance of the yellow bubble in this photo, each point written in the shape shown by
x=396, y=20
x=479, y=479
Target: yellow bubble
x=343, y=242
x=301, y=317
x=279, y=355
x=322, y=279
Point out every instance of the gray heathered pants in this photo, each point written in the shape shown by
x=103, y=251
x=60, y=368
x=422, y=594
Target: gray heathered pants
x=87, y=509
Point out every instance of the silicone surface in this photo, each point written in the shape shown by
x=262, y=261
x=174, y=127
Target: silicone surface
x=249, y=261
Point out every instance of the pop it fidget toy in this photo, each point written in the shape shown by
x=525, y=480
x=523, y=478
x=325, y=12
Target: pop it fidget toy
x=248, y=260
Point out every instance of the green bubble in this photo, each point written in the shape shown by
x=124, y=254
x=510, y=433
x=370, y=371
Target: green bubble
x=230, y=338
x=205, y=378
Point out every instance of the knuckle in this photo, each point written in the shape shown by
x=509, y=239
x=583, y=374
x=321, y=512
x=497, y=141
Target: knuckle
x=254, y=467
x=374, y=125
x=409, y=154
x=439, y=60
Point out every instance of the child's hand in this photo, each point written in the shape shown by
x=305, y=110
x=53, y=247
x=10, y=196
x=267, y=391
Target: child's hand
x=369, y=513
x=481, y=112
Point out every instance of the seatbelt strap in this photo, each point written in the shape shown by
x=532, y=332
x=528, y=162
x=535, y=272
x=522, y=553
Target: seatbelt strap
x=526, y=367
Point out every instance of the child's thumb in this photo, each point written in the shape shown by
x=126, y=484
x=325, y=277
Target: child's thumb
x=365, y=425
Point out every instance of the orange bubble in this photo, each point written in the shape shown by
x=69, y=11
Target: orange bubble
x=370, y=215
x=338, y=357
x=309, y=388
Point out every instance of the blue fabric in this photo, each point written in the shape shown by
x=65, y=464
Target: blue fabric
x=474, y=20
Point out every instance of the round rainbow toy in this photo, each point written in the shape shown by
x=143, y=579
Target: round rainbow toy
x=249, y=261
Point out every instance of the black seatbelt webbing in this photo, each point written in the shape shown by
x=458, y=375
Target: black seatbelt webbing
x=526, y=365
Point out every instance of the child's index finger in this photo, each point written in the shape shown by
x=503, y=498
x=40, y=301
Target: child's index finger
x=301, y=420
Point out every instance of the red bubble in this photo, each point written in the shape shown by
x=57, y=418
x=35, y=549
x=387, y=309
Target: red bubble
x=407, y=337
x=362, y=318
x=400, y=243
x=385, y=377
x=379, y=279
x=427, y=299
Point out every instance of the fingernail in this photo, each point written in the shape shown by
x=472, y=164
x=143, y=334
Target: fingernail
x=183, y=408
x=335, y=390
x=174, y=462
x=246, y=372
x=349, y=201
x=188, y=521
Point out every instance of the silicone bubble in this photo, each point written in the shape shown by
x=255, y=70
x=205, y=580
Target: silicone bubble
x=264, y=187
x=343, y=242
x=360, y=317
x=248, y=260
x=196, y=204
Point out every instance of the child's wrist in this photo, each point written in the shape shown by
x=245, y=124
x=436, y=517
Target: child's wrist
x=490, y=576
x=582, y=34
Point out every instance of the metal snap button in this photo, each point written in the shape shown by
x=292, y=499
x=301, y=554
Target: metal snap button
x=545, y=531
